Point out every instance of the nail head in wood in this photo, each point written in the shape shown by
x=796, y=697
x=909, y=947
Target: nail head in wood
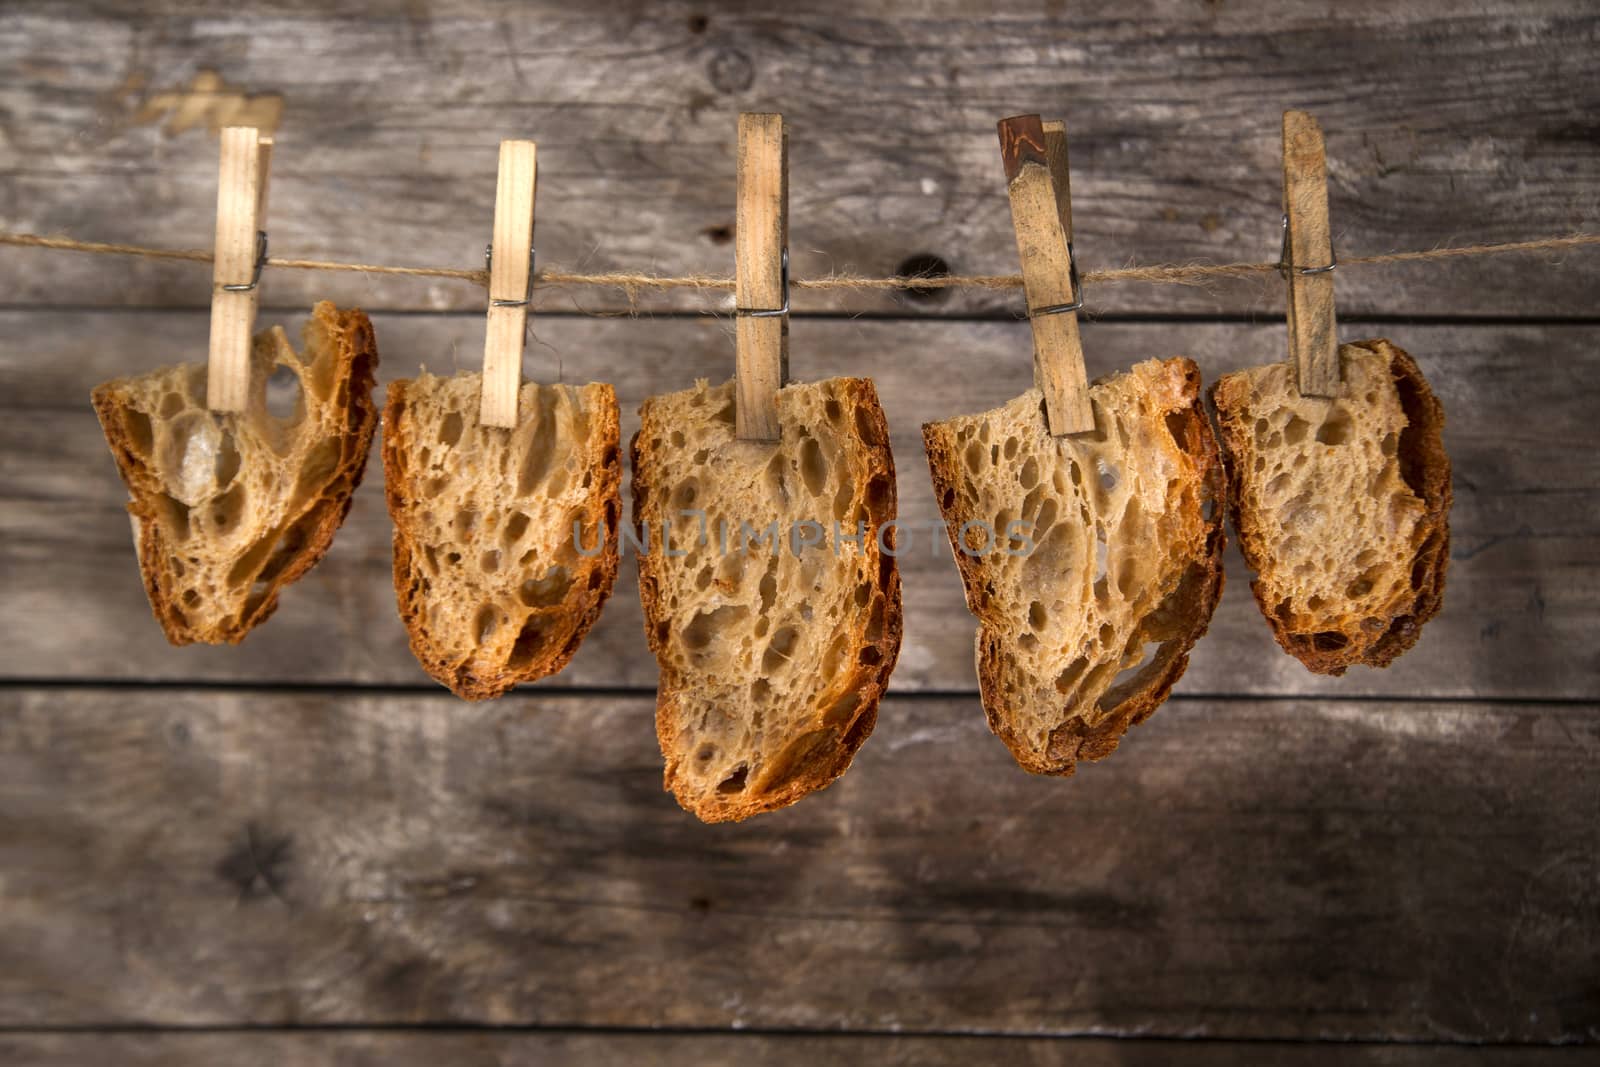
x=241, y=205
x=510, y=278
x=761, y=234
x=1308, y=245
x=1035, y=159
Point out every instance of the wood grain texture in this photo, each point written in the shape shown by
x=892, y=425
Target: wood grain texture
x=416, y=1048
x=511, y=264
x=1041, y=216
x=241, y=196
x=1265, y=869
x=761, y=237
x=1308, y=245
x=1059, y=159
x=1068, y=379
x=1520, y=613
x=1287, y=871
x=1446, y=126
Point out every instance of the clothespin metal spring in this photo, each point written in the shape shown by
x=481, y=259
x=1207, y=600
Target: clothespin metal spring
x=1284, y=266
x=533, y=267
x=255, y=277
x=772, y=313
x=1077, y=290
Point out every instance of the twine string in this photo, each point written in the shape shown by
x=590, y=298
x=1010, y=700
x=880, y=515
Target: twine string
x=1172, y=274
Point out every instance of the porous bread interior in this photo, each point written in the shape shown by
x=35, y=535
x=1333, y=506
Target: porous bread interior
x=1328, y=519
x=765, y=656
x=1118, y=520
x=506, y=529
x=234, y=494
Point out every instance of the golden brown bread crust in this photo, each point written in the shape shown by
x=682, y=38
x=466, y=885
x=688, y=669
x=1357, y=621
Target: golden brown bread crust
x=822, y=755
x=304, y=540
x=1192, y=604
x=1425, y=468
x=569, y=621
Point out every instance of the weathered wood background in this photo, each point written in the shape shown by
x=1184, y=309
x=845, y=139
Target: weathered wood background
x=301, y=850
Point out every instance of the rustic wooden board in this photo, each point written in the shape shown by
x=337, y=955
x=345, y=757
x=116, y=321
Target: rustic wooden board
x=1444, y=126
x=419, y=1048
x=1304, y=861
x=1263, y=869
x=1521, y=616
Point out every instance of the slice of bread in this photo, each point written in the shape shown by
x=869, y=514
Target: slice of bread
x=505, y=541
x=1088, y=607
x=773, y=651
x=1341, y=506
x=227, y=509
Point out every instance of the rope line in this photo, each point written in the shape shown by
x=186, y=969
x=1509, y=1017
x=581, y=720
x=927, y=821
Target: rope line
x=1173, y=273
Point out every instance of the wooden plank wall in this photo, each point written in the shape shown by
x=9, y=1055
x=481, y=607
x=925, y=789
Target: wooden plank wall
x=301, y=850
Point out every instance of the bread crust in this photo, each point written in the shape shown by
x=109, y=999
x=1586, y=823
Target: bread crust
x=306, y=537
x=1425, y=468
x=592, y=576
x=1194, y=601
x=835, y=744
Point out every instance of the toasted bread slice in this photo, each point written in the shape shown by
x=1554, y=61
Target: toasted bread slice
x=1088, y=607
x=227, y=509
x=505, y=541
x=774, y=651
x=1341, y=506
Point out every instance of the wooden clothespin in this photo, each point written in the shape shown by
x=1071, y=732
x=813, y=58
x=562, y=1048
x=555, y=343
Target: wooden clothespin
x=1035, y=156
x=511, y=267
x=1307, y=259
x=241, y=252
x=761, y=284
